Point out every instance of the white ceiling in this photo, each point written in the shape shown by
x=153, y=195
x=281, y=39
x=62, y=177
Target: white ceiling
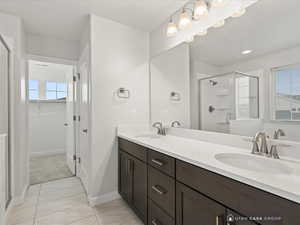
x=65, y=19
x=267, y=26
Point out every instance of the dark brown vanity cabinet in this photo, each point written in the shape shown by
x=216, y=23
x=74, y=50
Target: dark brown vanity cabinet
x=133, y=183
x=193, y=208
x=163, y=190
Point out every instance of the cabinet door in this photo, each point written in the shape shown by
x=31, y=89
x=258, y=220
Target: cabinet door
x=139, y=187
x=193, y=208
x=124, y=176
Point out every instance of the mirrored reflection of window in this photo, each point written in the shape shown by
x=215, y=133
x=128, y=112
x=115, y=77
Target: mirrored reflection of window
x=33, y=89
x=56, y=90
x=287, y=94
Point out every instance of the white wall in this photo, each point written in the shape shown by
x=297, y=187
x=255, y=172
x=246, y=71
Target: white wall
x=46, y=128
x=52, y=47
x=12, y=29
x=199, y=70
x=119, y=59
x=170, y=73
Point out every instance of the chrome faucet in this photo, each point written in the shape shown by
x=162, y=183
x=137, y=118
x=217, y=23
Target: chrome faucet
x=175, y=124
x=261, y=138
x=160, y=129
x=274, y=151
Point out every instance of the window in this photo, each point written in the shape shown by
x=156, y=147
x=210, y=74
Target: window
x=56, y=90
x=287, y=93
x=33, y=90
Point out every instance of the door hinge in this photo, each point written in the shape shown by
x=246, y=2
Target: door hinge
x=78, y=75
x=74, y=78
x=78, y=159
x=78, y=118
x=74, y=118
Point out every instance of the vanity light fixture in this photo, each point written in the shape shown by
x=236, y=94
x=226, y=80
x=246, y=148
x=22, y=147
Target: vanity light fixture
x=184, y=20
x=219, y=24
x=245, y=52
x=200, y=9
x=172, y=29
x=218, y=2
x=239, y=13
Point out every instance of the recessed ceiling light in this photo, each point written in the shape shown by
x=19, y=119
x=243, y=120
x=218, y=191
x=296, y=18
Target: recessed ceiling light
x=246, y=52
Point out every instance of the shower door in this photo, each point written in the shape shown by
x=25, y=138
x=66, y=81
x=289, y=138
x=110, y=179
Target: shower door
x=4, y=113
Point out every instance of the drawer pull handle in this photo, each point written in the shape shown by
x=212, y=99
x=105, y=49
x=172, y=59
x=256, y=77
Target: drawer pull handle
x=157, y=162
x=219, y=220
x=158, y=190
x=155, y=222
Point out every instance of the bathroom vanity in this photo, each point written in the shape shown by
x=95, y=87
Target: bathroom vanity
x=168, y=187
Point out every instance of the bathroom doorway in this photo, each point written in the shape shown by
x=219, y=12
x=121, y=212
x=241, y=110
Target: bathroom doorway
x=52, y=129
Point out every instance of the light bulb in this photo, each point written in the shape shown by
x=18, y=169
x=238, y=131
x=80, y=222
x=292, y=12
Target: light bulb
x=202, y=33
x=201, y=9
x=190, y=39
x=239, y=13
x=219, y=24
x=218, y=2
x=172, y=29
x=184, y=20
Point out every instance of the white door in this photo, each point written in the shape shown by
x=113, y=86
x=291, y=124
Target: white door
x=69, y=123
x=83, y=127
x=4, y=114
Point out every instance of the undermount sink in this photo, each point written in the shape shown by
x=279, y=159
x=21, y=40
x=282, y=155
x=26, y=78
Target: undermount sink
x=253, y=163
x=151, y=136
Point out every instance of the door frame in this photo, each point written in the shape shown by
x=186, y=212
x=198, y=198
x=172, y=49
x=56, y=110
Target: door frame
x=10, y=130
x=56, y=61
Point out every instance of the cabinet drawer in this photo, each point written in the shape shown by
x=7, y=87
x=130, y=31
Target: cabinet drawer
x=245, y=199
x=156, y=216
x=136, y=150
x=161, y=189
x=162, y=162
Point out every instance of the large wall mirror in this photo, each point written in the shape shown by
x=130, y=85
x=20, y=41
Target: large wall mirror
x=239, y=78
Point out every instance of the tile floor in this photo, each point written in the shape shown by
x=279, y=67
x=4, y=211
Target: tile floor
x=64, y=202
x=48, y=168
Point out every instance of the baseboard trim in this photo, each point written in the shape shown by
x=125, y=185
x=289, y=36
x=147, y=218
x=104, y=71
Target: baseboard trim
x=17, y=200
x=94, y=201
x=48, y=153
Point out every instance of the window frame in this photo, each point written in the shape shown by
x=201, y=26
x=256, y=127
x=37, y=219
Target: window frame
x=273, y=93
x=30, y=89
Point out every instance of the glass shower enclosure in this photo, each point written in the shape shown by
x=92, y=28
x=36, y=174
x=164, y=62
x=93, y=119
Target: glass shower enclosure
x=227, y=97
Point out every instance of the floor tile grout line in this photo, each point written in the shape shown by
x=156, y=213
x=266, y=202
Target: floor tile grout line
x=37, y=204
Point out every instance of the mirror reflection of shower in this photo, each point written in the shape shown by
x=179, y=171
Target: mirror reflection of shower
x=227, y=97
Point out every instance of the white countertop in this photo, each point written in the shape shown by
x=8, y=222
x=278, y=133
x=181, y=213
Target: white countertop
x=202, y=154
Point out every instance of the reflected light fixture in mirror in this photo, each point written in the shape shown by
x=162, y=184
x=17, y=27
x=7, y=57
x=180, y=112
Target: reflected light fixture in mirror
x=239, y=13
x=171, y=29
x=200, y=9
x=184, y=20
x=219, y=24
x=246, y=52
x=218, y=2
x=202, y=33
x=190, y=39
